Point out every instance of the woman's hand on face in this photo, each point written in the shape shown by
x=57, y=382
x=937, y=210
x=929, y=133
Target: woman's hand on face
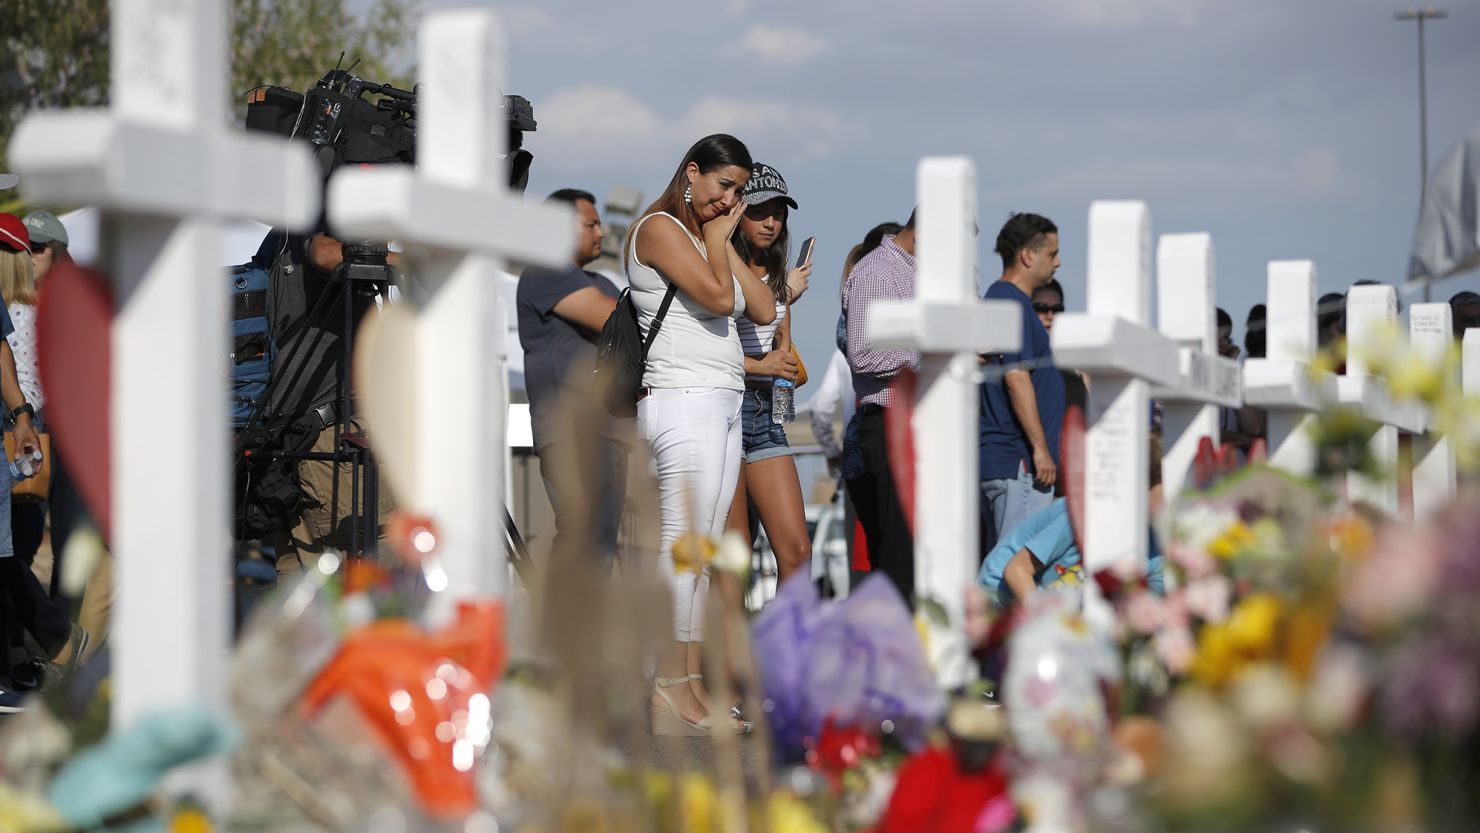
x=797, y=280
x=778, y=363
x=720, y=228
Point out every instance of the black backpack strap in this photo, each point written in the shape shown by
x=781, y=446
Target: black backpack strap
x=657, y=324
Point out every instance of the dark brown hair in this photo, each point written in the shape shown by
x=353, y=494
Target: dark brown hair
x=718, y=150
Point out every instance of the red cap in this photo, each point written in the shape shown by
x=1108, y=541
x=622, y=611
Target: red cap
x=13, y=234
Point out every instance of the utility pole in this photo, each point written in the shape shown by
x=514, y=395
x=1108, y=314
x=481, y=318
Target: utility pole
x=1421, y=15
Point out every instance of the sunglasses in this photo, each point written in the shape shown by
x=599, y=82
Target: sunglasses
x=38, y=248
x=1053, y=308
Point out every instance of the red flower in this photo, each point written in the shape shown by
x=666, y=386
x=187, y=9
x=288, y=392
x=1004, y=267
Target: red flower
x=840, y=749
x=933, y=795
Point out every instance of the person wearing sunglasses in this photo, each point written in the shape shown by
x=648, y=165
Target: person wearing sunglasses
x=1048, y=302
x=1022, y=399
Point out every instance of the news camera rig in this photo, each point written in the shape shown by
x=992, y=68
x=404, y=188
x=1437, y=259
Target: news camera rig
x=348, y=120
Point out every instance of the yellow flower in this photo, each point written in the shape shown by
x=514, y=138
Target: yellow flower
x=1236, y=537
x=790, y=815
x=699, y=803
x=1223, y=650
x=1412, y=377
x=1254, y=623
x=22, y=811
x=692, y=552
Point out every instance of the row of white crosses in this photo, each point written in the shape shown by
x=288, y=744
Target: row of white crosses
x=166, y=172
x=1130, y=364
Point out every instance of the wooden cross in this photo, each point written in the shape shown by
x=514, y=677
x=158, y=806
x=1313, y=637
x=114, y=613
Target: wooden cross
x=1435, y=472
x=166, y=172
x=1187, y=314
x=1284, y=383
x=1370, y=309
x=949, y=324
x=457, y=219
x=1124, y=358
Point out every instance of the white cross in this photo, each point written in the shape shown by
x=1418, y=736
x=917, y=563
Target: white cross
x=1470, y=363
x=1435, y=474
x=457, y=219
x=166, y=171
x=1124, y=357
x=949, y=324
x=1283, y=383
x=1369, y=309
x=1187, y=314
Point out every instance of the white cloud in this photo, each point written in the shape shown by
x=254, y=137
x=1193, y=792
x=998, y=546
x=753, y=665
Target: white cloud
x=1315, y=173
x=781, y=44
x=594, y=128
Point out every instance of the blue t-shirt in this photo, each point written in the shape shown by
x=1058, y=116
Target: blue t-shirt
x=1004, y=446
x=1050, y=538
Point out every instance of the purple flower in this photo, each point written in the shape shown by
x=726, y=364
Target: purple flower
x=1432, y=685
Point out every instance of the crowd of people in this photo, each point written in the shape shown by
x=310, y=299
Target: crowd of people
x=710, y=271
x=708, y=264
x=43, y=644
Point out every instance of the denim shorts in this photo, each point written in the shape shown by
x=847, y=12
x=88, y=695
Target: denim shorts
x=760, y=438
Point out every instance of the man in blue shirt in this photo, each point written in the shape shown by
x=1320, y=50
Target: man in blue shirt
x=1022, y=401
x=1040, y=552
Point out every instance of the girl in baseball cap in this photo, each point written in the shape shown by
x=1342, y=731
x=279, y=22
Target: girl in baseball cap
x=768, y=473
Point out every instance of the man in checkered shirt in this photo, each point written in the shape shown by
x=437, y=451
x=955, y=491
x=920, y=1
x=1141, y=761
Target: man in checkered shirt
x=886, y=273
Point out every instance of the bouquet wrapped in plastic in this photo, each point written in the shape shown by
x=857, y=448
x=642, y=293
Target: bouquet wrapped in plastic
x=858, y=662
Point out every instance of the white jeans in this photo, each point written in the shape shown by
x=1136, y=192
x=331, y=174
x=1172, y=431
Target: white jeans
x=695, y=436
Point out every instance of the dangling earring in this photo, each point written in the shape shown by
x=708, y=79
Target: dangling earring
x=688, y=195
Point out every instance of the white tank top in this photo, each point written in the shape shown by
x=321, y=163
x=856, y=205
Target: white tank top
x=757, y=340
x=694, y=347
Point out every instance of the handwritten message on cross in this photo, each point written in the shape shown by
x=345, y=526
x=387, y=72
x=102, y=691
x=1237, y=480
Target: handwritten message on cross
x=1435, y=470
x=1124, y=357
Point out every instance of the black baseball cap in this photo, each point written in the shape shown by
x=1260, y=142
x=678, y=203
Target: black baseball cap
x=765, y=184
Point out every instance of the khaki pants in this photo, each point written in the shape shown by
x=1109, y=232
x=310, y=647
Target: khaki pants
x=324, y=520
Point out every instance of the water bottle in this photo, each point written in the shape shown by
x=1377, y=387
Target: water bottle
x=783, y=401
x=24, y=466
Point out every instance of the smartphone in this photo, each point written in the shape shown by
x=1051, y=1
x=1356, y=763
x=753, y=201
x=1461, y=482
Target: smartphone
x=807, y=246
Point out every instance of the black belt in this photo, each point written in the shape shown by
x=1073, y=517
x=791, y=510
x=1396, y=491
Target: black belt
x=871, y=408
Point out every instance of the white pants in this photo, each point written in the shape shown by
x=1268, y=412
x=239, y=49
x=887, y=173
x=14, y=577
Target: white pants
x=695, y=436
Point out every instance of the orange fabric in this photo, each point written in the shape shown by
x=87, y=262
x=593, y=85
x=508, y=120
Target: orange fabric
x=379, y=661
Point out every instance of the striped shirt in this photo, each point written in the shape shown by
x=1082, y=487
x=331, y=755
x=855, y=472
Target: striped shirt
x=756, y=340
x=885, y=274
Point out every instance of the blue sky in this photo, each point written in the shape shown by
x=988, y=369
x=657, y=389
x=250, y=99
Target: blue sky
x=1285, y=128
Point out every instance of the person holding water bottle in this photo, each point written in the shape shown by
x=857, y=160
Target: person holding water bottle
x=768, y=474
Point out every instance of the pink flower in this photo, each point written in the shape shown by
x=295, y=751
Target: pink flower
x=1207, y=598
x=997, y=815
x=1175, y=648
x=1145, y=613
x=1195, y=561
x=1398, y=579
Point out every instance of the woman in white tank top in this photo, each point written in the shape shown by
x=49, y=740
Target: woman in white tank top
x=689, y=411
x=768, y=474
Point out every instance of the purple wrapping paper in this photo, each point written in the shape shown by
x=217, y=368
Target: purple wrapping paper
x=858, y=661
